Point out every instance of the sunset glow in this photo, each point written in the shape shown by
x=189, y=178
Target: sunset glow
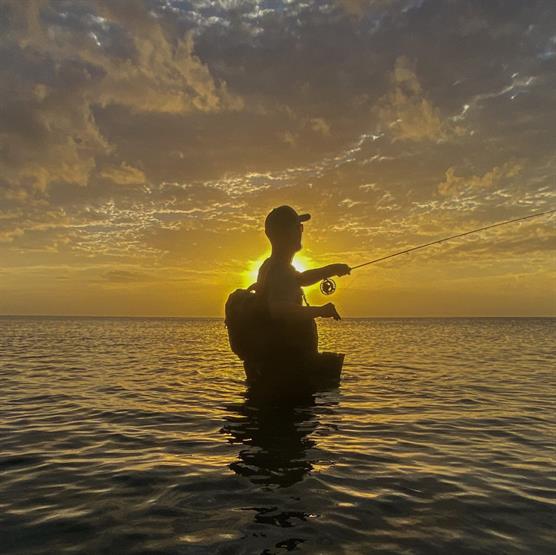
x=300, y=263
x=143, y=143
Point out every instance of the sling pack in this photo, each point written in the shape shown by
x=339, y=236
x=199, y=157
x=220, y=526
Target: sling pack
x=254, y=336
x=247, y=323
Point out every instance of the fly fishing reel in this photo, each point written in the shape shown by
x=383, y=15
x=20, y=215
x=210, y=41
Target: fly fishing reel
x=327, y=286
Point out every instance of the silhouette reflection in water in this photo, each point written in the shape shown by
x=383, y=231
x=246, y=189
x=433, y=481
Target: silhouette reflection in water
x=275, y=433
x=279, y=449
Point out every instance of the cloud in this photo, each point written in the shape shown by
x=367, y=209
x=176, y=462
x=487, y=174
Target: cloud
x=125, y=276
x=454, y=184
x=47, y=131
x=354, y=7
x=288, y=138
x=358, y=8
x=160, y=76
x=319, y=125
x=60, y=70
x=406, y=111
x=123, y=174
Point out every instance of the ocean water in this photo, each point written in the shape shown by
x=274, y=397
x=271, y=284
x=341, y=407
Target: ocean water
x=139, y=436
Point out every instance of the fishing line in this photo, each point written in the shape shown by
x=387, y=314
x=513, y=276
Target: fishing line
x=328, y=286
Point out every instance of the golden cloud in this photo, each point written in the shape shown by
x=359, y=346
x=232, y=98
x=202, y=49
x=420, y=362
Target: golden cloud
x=48, y=130
x=405, y=110
x=123, y=174
x=454, y=184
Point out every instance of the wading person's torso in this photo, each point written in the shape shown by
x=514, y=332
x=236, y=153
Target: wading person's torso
x=291, y=337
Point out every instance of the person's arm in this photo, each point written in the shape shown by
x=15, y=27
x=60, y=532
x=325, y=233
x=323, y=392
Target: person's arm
x=308, y=277
x=281, y=306
x=289, y=310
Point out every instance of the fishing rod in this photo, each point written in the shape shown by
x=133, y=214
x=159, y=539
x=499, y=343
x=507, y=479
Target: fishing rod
x=328, y=286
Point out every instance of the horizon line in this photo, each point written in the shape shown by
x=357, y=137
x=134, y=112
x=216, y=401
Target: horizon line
x=222, y=317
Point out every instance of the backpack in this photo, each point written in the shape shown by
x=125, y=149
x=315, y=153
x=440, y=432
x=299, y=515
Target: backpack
x=247, y=323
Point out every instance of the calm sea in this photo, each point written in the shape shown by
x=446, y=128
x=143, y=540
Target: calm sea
x=138, y=436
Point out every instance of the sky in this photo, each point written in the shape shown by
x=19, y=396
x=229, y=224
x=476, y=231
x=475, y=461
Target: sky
x=142, y=144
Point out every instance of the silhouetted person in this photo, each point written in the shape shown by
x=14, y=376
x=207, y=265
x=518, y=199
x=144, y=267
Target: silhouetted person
x=294, y=332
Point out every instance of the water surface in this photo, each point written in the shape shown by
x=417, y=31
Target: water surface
x=139, y=436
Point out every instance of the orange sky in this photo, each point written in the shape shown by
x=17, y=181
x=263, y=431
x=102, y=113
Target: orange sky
x=143, y=143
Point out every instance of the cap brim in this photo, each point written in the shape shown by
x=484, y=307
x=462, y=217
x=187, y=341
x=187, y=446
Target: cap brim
x=304, y=217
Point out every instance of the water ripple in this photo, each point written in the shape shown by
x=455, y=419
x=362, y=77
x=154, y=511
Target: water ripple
x=139, y=436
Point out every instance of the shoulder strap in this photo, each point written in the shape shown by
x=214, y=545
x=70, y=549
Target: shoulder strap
x=260, y=284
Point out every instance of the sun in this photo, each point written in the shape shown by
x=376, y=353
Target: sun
x=300, y=263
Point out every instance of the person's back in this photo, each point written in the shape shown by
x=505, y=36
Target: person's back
x=292, y=337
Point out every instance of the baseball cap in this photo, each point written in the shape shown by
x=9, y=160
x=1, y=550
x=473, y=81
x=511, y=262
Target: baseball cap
x=281, y=218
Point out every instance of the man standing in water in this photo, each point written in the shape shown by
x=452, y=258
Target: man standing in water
x=279, y=283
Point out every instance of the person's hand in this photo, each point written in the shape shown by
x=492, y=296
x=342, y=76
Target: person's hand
x=328, y=310
x=340, y=269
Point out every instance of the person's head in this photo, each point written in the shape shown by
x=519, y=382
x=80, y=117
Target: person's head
x=283, y=227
